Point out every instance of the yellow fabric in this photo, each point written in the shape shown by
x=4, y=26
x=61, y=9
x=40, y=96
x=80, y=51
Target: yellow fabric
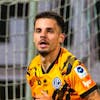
x=49, y=82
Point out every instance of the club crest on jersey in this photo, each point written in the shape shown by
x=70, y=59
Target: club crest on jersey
x=81, y=72
x=56, y=83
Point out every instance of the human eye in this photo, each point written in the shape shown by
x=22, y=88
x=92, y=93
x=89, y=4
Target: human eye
x=50, y=30
x=38, y=30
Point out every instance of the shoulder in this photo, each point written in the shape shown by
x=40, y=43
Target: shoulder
x=68, y=57
x=31, y=69
x=34, y=62
x=65, y=51
x=65, y=54
x=67, y=60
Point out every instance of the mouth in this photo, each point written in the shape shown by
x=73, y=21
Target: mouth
x=43, y=44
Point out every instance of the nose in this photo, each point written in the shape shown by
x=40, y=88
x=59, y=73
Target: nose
x=43, y=33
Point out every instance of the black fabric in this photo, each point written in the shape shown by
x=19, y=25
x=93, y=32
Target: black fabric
x=88, y=92
x=28, y=73
x=69, y=69
x=55, y=93
x=60, y=93
x=66, y=62
x=69, y=63
x=68, y=96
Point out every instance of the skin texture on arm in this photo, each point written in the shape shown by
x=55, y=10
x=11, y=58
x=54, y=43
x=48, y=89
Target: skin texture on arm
x=44, y=96
x=95, y=95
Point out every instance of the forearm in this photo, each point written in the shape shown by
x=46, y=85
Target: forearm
x=95, y=95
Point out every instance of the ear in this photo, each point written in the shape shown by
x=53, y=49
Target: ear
x=62, y=37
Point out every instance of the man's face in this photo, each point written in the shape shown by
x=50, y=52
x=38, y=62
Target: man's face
x=47, y=35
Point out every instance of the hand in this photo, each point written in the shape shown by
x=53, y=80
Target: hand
x=43, y=96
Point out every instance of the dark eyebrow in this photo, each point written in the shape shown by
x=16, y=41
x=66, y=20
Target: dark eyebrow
x=49, y=28
x=37, y=29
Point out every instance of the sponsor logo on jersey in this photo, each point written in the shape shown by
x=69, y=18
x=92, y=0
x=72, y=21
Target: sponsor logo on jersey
x=56, y=83
x=81, y=72
x=87, y=83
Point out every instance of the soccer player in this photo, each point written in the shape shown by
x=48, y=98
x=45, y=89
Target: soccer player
x=55, y=73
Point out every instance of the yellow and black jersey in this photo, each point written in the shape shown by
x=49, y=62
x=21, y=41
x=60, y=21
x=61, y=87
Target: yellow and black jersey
x=66, y=77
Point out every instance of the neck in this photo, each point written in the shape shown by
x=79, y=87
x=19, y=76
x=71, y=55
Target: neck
x=48, y=59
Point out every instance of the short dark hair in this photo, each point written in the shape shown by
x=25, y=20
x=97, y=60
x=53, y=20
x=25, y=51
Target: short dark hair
x=52, y=15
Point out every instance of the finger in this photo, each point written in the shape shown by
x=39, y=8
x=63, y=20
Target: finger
x=44, y=93
x=36, y=97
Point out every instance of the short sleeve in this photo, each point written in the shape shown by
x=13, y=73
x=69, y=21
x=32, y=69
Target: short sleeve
x=80, y=80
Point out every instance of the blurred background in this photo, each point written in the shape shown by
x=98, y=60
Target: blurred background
x=82, y=20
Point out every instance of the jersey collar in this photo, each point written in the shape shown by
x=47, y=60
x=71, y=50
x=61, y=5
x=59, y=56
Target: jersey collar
x=52, y=64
